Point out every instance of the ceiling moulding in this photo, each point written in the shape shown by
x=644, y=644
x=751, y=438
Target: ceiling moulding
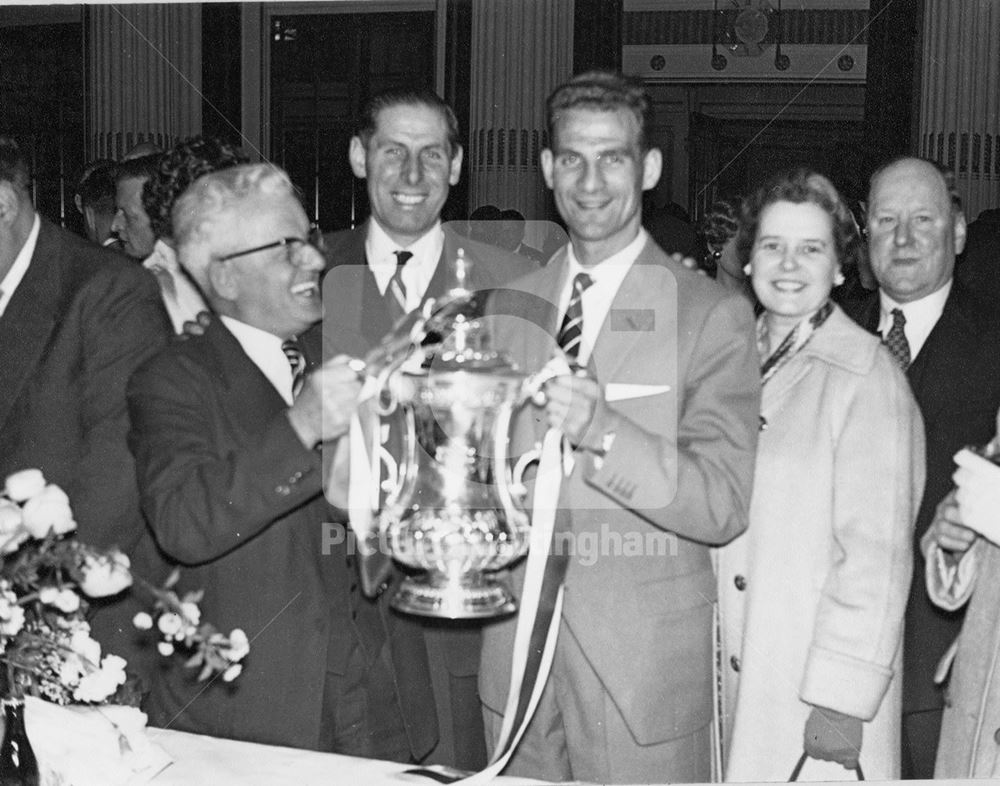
x=707, y=5
x=827, y=63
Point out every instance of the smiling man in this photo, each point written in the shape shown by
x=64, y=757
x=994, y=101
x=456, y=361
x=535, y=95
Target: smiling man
x=408, y=152
x=225, y=427
x=662, y=416
x=949, y=347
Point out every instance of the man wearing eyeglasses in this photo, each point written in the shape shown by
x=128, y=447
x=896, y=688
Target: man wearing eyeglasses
x=225, y=429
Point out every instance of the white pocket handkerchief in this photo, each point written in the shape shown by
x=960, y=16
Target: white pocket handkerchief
x=619, y=391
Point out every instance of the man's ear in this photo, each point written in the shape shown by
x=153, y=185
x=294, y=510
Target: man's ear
x=960, y=233
x=456, y=166
x=652, y=168
x=356, y=153
x=10, y=204
x=546, y=161
x=222, y=280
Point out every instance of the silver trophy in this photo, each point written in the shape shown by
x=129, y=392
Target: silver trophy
x=451, y=508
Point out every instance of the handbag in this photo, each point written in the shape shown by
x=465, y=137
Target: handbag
x=802, y=761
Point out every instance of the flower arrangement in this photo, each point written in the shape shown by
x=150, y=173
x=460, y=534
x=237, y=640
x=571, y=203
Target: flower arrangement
x=46, y=576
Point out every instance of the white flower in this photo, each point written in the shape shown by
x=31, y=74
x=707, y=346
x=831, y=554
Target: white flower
x=11, y=617
x=166, y=648
x=191, y=612
x=63, y=599
x=70, y=671
x=238, y=647
x=23, y=485
x=12, y=531
x=48, y=510
x=170, y=624
x=232, y=672
x=105, y=575
x=142, y=621
x=84, y=646
x=101, y=683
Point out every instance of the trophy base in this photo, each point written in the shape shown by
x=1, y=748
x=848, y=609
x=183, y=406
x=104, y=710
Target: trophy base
x=436, y=595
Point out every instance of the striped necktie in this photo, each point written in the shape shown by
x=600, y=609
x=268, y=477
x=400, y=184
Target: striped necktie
x=298, y=363
x=571, y=332
x=896, y=341
x=396, y=293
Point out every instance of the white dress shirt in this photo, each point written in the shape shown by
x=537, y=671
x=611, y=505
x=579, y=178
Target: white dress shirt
x=180, y=295
x=921, y=316
x=17, y=270
x=419, y=270
x=264, y=349
x=597, y=298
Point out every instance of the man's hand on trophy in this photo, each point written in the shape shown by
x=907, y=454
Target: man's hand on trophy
x=329, y=397
x=570, y=402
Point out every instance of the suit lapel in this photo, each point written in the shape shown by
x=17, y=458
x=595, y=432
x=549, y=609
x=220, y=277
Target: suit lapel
x=30, y=319
x=946, y=356
x=250, y=395
x=642, y=318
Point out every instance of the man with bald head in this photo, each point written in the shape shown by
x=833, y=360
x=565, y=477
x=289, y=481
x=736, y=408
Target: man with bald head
x=949, y=347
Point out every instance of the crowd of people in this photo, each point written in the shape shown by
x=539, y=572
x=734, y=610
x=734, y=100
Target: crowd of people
x=823, y=471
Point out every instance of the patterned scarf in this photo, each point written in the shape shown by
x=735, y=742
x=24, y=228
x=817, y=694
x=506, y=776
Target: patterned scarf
x=797, y=338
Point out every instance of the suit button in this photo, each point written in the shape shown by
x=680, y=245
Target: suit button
x=734, y=662
x=282, y=490
x=740, y=582
x=763, y=423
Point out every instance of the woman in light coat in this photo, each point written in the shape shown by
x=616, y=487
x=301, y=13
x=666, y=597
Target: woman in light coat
x=812, y=595
x=962, y=547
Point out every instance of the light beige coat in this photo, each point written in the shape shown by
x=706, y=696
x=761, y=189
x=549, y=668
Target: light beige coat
x=826, y=563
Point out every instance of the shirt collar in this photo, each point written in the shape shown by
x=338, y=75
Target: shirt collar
x=925, y=311
x=17, y=270
x=380, y=250
x=264, y=349
x=611, y=271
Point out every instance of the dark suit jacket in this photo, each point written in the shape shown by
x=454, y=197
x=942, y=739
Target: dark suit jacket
x=231, y=493
x=81, y=321
x=676, y=360
x=956, y=381
x=355, y=320
x=356, y=316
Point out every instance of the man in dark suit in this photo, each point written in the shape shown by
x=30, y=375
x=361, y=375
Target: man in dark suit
x=408, y=153
x=75, y=321
x=950, y=348
x=662, y=414
x=224, y=429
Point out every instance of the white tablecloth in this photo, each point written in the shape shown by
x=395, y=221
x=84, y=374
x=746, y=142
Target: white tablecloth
x=216, y=762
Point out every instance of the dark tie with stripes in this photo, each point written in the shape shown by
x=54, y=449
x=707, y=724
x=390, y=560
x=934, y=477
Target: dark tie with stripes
x=396, y=293
x=571, y=331
x=896, y=341
x=298, y=363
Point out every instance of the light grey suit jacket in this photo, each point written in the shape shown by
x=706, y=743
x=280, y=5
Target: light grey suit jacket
x=676, y=360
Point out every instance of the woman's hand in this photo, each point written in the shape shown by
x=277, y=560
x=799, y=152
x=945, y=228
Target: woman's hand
x=978, y=494
x=833, y=736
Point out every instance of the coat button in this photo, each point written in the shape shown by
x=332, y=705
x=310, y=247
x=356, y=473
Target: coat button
x=996, y=736
x=734, y=662
x=740, y=582
x=763, y=423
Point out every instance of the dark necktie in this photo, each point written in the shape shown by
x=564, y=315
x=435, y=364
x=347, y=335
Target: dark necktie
x=896, y=341
x=396, y=293
x=298, y=363
x=571, y=332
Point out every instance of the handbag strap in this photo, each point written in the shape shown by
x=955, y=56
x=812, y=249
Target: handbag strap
x=802, y=761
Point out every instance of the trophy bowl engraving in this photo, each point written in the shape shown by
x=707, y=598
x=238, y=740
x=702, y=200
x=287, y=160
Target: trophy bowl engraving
x=451, y=515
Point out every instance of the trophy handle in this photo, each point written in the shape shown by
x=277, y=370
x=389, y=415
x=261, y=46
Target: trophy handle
x=402, y=476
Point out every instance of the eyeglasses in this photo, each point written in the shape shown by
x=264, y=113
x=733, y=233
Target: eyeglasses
x=293, y=244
